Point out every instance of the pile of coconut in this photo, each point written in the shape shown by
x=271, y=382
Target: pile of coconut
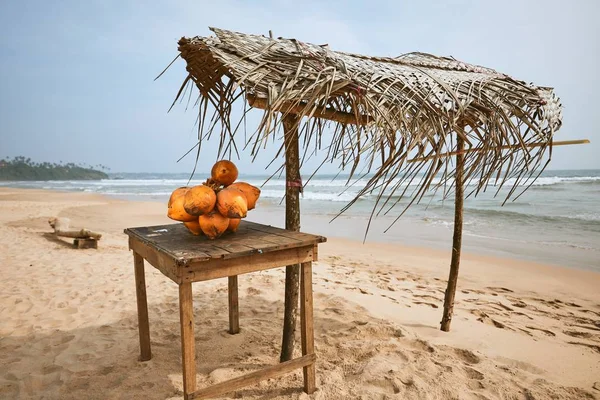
x=217, y=205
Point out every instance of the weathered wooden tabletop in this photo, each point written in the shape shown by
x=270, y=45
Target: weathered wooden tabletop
x=184, y=248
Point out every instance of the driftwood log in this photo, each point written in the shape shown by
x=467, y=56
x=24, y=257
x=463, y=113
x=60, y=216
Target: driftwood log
x=62, y=227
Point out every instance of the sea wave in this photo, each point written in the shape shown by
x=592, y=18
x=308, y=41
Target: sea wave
x=589, y=221
x=554, y=243
x=309, y=195
x=314, y=182
x=279, y=183
x=360, y=183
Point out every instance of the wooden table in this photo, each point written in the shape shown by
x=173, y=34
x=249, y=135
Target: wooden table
x=185, y=258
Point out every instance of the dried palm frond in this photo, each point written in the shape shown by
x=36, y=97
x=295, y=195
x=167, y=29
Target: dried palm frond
x=399, y=116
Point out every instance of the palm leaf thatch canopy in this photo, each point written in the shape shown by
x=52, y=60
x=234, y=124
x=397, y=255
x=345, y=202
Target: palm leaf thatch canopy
x=395, y=117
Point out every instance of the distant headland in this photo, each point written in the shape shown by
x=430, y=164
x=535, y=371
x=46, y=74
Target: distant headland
x=23, y=169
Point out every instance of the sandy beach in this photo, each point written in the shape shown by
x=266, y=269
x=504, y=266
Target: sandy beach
x=68, y=325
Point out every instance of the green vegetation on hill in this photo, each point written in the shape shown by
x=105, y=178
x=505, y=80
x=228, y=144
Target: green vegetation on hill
x=23, y=169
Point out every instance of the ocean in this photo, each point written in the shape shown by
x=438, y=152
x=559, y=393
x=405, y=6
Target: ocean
x=556, y=221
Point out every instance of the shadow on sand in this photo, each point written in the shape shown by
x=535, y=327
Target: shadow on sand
x=101, y=362
x=51, y=237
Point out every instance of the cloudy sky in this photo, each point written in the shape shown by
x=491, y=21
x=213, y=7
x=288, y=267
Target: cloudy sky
x=77, y=77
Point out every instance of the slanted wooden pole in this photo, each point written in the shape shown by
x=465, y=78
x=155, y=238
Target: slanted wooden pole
x=292, y=222
x=507, y=147
x=456, y=239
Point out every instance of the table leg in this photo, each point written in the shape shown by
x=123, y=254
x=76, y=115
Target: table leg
x=234, y=310
x=142, y=307
x=188, y=348
x=306, y=322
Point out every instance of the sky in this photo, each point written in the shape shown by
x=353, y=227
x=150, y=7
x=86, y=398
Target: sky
x=77, y=77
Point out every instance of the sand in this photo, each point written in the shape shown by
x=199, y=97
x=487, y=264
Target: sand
x=68, y=323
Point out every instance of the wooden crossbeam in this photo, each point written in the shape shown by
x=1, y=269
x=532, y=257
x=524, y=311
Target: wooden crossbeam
x=507, y=147
x=254, y=377
x=304, y=110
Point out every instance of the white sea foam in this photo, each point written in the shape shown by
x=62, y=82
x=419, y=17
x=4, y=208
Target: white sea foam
x=278, y=182
x=309, y=195
x=340, y=182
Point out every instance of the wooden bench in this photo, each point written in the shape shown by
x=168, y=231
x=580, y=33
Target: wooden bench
x=185, y=259
x=82, y=238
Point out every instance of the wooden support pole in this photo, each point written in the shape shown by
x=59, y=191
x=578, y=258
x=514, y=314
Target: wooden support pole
x=234, y=310
x=456, y=239
x=142, y=307
x=188, y=346
x=307, y=325
x=292, y=222
x=303, y=110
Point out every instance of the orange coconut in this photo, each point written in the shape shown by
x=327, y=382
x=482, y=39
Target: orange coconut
x=252, y=193
x=224, y=172
x=194, y=227
x=232, y=203
x=234, y=223
x=213, y=224
x=199, y=200
x=175, y=204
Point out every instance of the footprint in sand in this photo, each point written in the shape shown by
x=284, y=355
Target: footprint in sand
x=334, y=310
x=389, y=297
x=556, y=304
x=587, y=323
x=49, y=369
x=469, y=291
x=473, y=373
x=592, y=347
x=22, y=307
x=519, y=304
x=486, y=319
x=467, y=356
x=479, y=396
x=577, y=334
x=10, y=377
x=591, y=328
x=591, y=312
x=427, y=296
x=522, y=315
x=503, y=306
x=526, y=331
x=545, y=331
x=425, y=303
x=107, y=370
x=499, y=289
x=422, y=345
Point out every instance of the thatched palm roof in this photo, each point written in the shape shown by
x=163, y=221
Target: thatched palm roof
x=400, y=116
